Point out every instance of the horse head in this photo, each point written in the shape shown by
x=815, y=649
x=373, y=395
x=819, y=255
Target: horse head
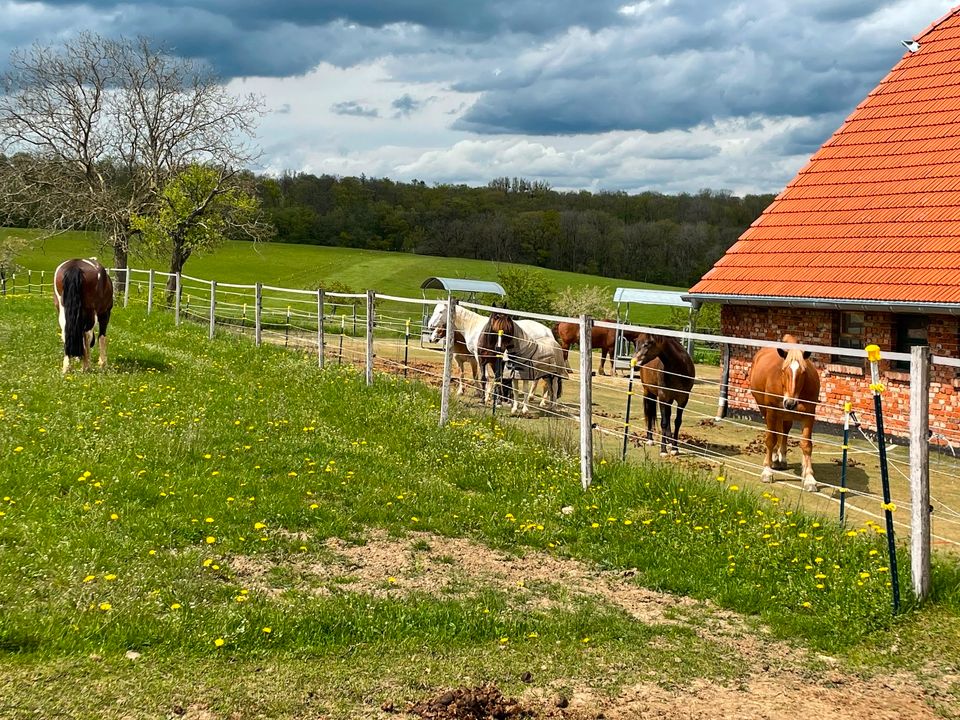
x=648, y=347
x=437, y=321
x=502, y=325
x=796, y=371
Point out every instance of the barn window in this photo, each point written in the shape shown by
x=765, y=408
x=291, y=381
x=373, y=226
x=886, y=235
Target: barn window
x=849, y=334
x=911, y=331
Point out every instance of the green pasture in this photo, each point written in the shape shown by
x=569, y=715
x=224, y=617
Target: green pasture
x=165, y=531
x=307, y=266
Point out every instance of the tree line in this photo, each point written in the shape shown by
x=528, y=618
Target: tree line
x=649, y=237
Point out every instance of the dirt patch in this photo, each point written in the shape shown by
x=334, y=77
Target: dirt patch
x=476, y=703
x=427, y=563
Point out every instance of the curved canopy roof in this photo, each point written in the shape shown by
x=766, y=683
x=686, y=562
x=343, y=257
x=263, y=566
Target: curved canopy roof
x=461, y=285
x=673, y=298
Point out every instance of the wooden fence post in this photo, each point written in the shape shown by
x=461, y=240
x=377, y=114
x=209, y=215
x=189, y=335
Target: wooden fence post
x=126, y=286
x=213, y=307
x=447, y=360
x=371, y=296
x=920, y=470
x=150, y=293
x=320, y=329
x=176, y=299
x=257, y=315
x=586, y=402
x=723, y=401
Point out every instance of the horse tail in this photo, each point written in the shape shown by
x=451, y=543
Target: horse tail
x=559, y=385
x=71, y=300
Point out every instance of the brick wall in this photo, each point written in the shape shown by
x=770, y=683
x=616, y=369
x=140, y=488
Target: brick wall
x=841, y=382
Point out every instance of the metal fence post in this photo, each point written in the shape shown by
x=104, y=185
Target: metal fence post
x=126, y=286
x=150, y=293
x=920, y=470
x=449, y=332
x=213, y=307
x=42, y=273
x=873, y=353
x=847, y=407
x=586, y=402
x=176, y=299
x=257, y=312
x=371, y=296
x=29, y=281
x=626, y=419
x=320, y=329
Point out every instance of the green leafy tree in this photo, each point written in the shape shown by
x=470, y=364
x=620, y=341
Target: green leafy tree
x=11, y=246
x=197, y=210
x=526, y=289
x=589, y=300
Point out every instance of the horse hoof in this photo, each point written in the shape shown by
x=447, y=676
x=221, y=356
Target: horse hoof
x=810, y=485
x=766, y=476
x=674, y=451
x=664, y=454
x=650, y=442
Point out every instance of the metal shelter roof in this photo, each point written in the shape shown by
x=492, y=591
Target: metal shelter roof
x=673, y=298
x=461, y=285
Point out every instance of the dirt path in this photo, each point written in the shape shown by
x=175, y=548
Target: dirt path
x=775, y=682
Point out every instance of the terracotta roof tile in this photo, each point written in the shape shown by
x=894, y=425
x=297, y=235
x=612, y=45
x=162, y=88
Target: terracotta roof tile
x=875, y=213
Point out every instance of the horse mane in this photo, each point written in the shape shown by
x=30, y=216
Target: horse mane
x=793, y=353
x=72, y=303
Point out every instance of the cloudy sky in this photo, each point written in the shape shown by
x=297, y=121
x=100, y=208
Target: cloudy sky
x=666, y=95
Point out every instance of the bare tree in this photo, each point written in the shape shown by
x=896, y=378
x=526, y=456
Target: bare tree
x=92, y=131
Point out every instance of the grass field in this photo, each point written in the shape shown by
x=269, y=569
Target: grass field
x=210, y=526
x=306, y=266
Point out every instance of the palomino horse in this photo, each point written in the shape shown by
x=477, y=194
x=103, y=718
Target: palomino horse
x=532, y=353
x=83, y=296
x=568, y=334
x=786, y=386
x=667, y=374
x=462, y=356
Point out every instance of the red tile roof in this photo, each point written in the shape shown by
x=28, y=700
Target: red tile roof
x=875, y=214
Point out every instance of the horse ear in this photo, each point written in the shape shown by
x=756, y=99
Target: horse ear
x=806, y=355
x=782, y=353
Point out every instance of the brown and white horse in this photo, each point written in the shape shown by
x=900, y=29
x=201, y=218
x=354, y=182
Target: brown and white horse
x=83, y=297
x=568, y=334
x=532, y=353
x=667, y=374
x=786, y=386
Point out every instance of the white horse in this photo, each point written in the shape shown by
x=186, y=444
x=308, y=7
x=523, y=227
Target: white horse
x=532, y=353
x=470, y=325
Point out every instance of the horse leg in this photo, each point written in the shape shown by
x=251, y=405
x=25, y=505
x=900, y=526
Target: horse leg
x=103, y=320
x=665, y=410
x=676, y=430
x=474, y=368
x=87, y=342
x=649, y=415
x=780, y=451
x=773, y=425
x=806, y=447
x=460, y=366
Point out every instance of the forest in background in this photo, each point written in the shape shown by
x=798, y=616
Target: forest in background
x=648, y=237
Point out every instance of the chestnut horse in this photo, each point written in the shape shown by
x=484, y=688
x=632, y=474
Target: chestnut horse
x=568, y=334
x=82, y=296
x=786, y=386
x=667, y=374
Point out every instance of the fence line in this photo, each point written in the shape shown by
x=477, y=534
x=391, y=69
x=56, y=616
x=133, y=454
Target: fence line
x=311, y=319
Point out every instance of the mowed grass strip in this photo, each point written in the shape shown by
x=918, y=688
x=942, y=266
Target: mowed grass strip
x=128, y=497
x=307, y=266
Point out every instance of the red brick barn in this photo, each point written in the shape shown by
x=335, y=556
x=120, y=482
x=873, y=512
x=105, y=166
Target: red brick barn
x=863, y=245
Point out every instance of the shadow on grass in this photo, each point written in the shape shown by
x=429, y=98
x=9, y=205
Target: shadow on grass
x=135, y=364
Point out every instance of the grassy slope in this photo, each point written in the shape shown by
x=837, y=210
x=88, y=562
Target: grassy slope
x=305, y=266
x=189, y=445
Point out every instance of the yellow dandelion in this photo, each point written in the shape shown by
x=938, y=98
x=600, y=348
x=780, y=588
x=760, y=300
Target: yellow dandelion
x=211, y=539
x=90, y=578
x=109, y=576
x=114, y=516
x=268, y=630
x=258, y=526
x=105, y=606
x=219, y=642
x=175, y=606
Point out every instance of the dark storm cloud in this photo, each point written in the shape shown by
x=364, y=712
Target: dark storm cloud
x=567, y=67
x=352, y=107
